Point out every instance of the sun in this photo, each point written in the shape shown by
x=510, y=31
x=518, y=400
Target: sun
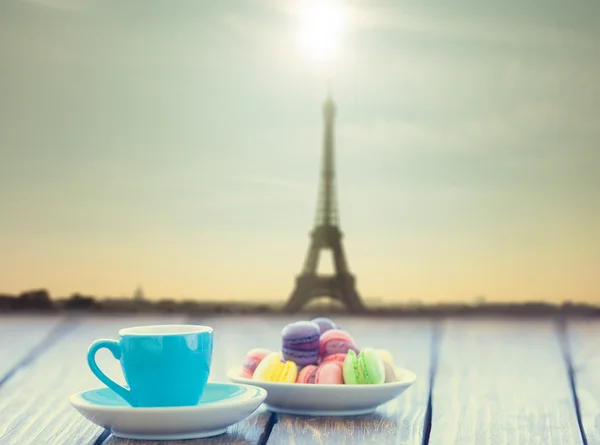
x=322, y=24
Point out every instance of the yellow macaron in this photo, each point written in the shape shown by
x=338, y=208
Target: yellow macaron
x=272, y=369
x=386, y=356
x=388, y=362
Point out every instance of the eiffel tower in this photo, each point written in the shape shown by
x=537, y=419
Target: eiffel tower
x=326, y=235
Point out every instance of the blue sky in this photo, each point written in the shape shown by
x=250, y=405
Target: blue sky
x=177, y=145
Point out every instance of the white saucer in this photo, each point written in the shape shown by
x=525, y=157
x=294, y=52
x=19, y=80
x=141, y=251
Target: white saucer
x=222, y=405
x=328, y=400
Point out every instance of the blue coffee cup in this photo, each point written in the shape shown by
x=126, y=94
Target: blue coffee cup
x=166, y=365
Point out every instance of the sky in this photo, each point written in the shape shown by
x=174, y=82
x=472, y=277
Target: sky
x=177, y=146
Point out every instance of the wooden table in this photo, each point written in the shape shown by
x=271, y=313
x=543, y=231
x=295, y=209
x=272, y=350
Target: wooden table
x=480, y=381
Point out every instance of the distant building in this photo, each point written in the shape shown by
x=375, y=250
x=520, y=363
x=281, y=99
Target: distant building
x=480, y=300
x=138, y=295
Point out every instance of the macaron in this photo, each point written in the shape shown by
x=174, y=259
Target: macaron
x=253, y=358
x=307, y=374
x=335, y=358
x=386, y=355
x=366, y=368
x=325, y=374
x=273, y=369
x=329, y=374
x=336, y=341
x=300, y=343
x=324, y=324
x=388, y=363
x=390, y=373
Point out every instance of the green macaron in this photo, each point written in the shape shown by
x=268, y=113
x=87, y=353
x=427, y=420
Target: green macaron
x=350, y=371
x=366, y=368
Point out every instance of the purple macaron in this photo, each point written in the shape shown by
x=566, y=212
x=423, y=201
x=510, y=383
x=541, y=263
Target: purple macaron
x=325, y=324
x=300, y=342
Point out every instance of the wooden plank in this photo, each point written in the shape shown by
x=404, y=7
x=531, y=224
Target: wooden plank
x=34, y=402
x=400, y=421
x=21, y=335
x=502, y=382
x=584, y=345
x=234, y=336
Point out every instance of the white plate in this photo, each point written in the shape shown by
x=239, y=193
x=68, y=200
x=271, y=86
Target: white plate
x=222, y=405
x=327, y=400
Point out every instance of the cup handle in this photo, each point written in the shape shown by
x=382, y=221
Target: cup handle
x=114, y=348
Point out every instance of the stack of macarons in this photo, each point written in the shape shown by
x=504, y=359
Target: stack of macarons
x=319, y=352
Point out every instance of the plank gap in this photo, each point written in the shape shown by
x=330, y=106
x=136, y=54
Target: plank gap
x=264, y=437
x=102, y=437
x=565, y=347
x=434, y=352
x=65, y=326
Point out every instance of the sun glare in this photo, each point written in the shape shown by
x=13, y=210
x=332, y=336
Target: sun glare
x=321, y=27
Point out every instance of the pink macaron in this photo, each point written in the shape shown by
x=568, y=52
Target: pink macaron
x=329, y=374
x=336, y=341
x=307, y=374
x=335, y=358
x=253, y=358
